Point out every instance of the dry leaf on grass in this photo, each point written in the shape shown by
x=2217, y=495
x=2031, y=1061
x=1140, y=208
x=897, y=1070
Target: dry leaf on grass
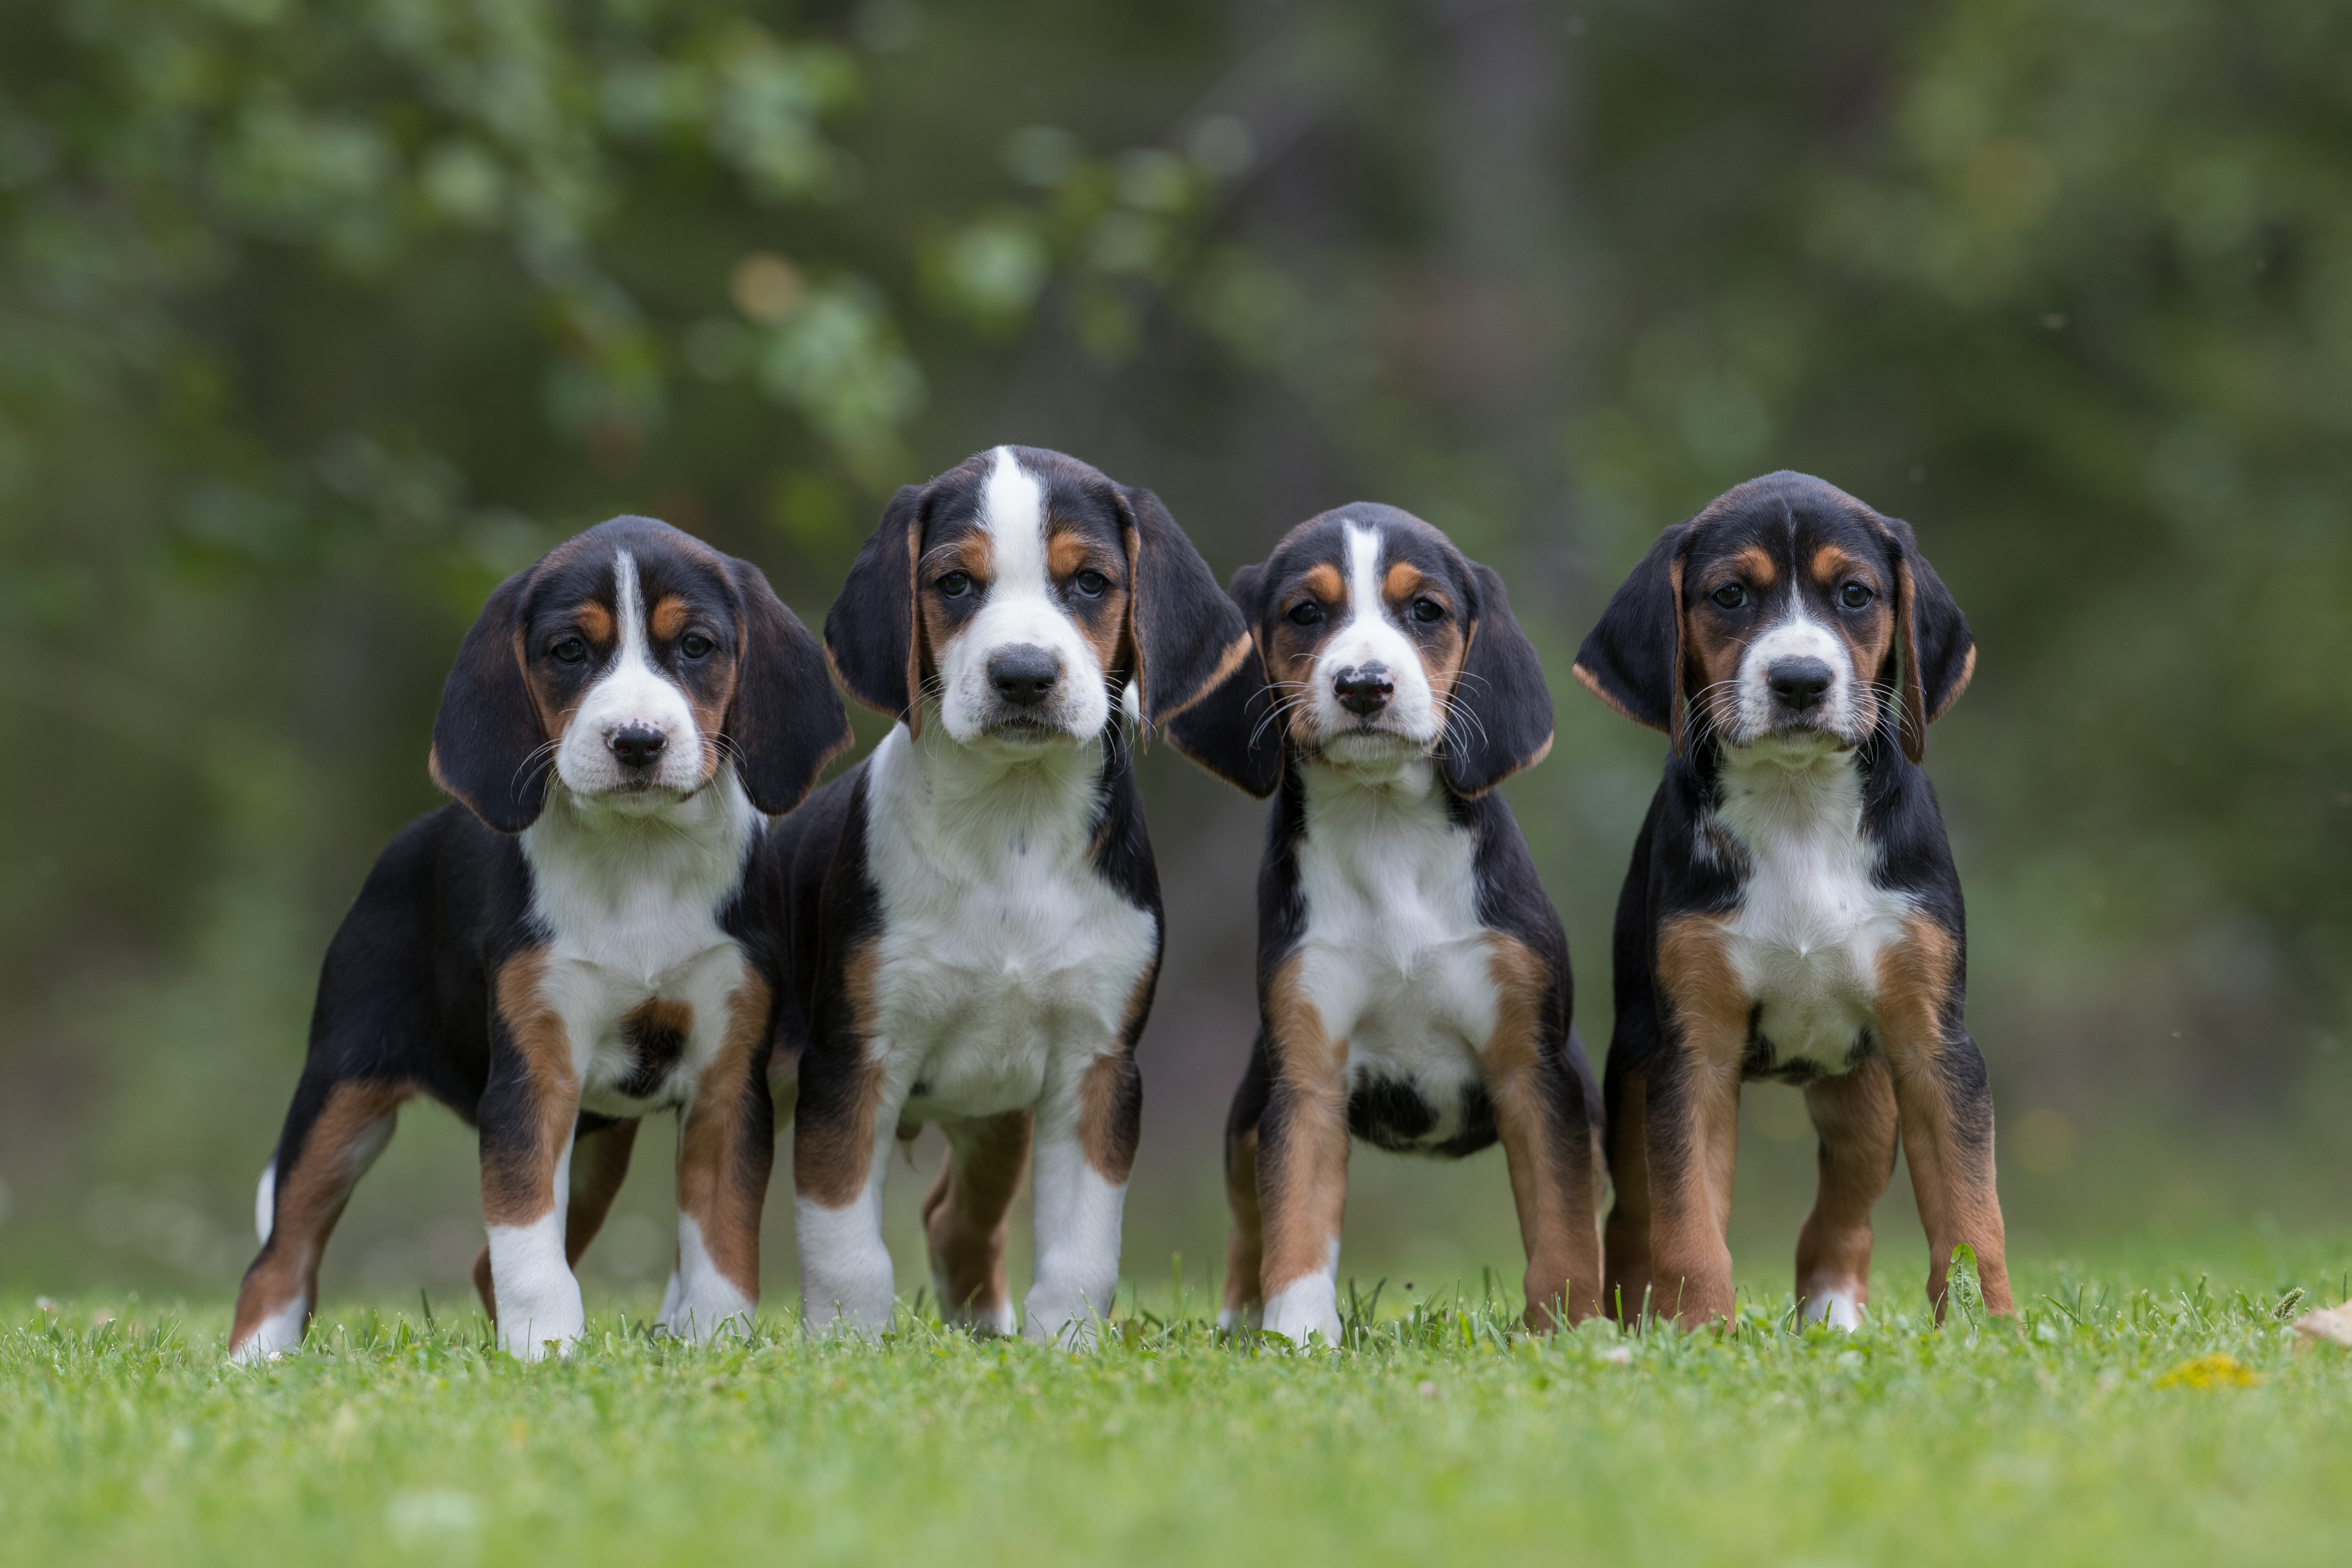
x=2332, y=1326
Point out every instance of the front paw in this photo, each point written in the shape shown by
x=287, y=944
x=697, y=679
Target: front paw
x=531, y=1330
x=1071, y=1321
x=1301, y=1311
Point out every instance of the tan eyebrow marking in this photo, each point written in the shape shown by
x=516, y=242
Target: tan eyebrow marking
x=1067, y=552
x=974, y=553
x=595, y=622
x=1831, y=565
x=1758, y=566
x=668, y=618
x=1403, y=580
x=1323, y=581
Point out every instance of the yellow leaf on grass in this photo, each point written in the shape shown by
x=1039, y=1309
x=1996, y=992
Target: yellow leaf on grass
x=2210, y=1371
x=2332, y=1326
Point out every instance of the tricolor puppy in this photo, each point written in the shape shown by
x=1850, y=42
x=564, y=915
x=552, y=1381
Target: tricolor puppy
x=570, y=948
x=973, y=912
x=1793, y=911
x=1413, y=986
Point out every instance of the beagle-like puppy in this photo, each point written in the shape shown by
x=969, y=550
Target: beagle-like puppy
x=571, y=948
x=1793, y=911
x=972, y=914
x=1414, y=987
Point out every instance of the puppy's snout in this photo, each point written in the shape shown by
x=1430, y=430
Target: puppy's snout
x=1024, y=674
x=1799, y=683
x=1365, y=689
x=638, y=745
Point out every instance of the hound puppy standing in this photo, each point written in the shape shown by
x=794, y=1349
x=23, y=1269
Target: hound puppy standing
x=570, y=949
x=1793, y=911
x=974, y=915
x=1414, y=987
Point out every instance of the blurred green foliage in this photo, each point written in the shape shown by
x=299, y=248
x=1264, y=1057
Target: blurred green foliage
x=318, y=316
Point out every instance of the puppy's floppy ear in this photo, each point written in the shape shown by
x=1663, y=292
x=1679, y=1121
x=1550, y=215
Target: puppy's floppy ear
x=871, y=637
x=488, y=731
x=1501, y=693
x=1633, y=660
x=1186, y=637
x=1228, y=729
x=784, y=722
x=1938, y=651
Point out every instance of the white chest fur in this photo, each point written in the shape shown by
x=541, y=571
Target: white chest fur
x=1394, y=957
x=630, y=902
x=1812, y=922
x=1005, y=957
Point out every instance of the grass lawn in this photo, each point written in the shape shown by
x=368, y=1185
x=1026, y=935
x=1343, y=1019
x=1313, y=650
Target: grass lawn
x=2071, y=1436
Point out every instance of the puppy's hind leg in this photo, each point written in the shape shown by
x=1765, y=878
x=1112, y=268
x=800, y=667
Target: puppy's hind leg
x=966, y=1216
x=334, y=1130
x=1854, y=1116
x=1244, y=1298
x=726, y=1150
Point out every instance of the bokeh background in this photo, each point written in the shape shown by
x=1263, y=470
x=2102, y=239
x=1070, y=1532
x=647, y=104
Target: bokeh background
x=319, y=316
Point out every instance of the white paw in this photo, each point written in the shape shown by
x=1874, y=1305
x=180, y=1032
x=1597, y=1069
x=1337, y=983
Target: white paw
x=534, y=1325
x=276, y=1334
x=1304, y=1310
x=1838, y=1308
x=700, y=1316
x=997, y=1319
x=1055, y=1318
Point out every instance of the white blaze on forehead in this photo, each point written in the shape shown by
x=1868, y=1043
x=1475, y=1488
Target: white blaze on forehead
x=1364, y=576
x=1013, y=510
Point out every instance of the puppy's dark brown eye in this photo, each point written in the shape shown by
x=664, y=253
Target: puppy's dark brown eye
x=694, y=645
x=571, y=651
x=1853, y=595
x=1307, y=612
x=1090, y=583
x=1731, y=595
x=1428, y=610
x=956, y=585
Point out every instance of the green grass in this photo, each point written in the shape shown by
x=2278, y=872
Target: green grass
x=1442, y=1436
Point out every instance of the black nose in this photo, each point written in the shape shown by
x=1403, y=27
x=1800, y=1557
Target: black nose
x=638, y=745
x=1023, y=673
x=1799, y=683
x=1364, y=689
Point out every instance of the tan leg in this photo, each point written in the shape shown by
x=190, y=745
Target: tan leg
x=281, y=1287
x=1945, y=1104
x=1302, y=1168
x=1626, y=1288
x=1691, y=1126
x=966, y=1216
x=1244, y=1302
x=1546, y=1132
x=1854, y=1116
x=843, y=1117
x=725, y=1149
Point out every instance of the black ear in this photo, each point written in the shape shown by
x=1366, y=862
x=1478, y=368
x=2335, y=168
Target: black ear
x=1498, y=719
x=1230, y=729
x=870, y=633
x=1938, y=651
x=1186, y=636
x=785, y=723
x=1633, y=660
x=487, y=735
